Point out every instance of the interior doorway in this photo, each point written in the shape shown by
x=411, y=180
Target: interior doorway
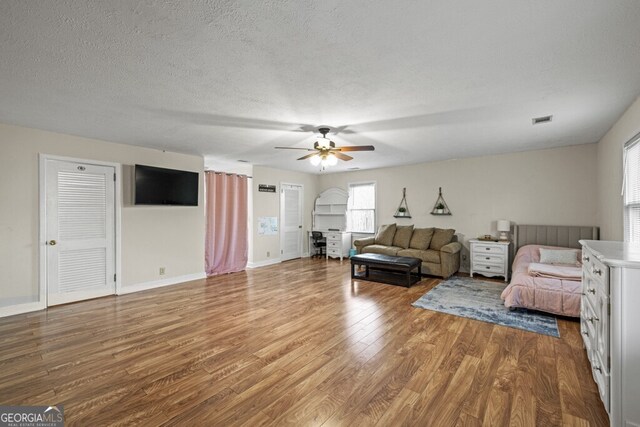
x=291, y=200
x=78, y=208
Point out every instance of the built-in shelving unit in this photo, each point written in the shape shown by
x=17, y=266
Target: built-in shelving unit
x=330, y=211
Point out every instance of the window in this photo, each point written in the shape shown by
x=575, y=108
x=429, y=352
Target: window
x=631, y=190
x=361, y=208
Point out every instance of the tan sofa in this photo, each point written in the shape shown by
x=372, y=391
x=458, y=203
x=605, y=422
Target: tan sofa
x=438, y=248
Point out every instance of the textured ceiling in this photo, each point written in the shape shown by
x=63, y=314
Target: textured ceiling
x=420, y=80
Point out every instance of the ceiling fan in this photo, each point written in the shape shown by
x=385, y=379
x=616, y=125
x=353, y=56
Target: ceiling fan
x=325, y=151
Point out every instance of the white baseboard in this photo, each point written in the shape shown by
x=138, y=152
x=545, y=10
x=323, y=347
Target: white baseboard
x=12, y=310
x=263, y=263
x=160, y=283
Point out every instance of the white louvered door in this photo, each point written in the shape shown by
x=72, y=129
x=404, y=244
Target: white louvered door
x=290, y=221
x=80, y=231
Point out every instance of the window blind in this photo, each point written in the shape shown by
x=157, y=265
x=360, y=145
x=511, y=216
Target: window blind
x=361, y=207
x=631, y=190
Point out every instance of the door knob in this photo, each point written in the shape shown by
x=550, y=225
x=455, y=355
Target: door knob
x=52, y=242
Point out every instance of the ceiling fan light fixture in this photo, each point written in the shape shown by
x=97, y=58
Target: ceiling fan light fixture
x=332, y=160
x=323, y=143
x=325, y=152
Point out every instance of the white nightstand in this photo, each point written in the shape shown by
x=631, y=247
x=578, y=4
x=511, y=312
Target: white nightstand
x=338, y=244
x=490, y=258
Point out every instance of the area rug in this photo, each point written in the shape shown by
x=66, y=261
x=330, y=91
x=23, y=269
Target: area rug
x=480, y=300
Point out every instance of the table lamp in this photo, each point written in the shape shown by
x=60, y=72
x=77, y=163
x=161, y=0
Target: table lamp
x=504, y=226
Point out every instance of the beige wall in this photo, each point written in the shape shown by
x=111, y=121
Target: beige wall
x=171, y=237
x=552, y=186
x=543, y=187
x=609, y=173
x=268, y=204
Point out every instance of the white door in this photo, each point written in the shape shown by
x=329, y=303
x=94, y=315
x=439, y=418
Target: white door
x=290, y=221
x=79, y=231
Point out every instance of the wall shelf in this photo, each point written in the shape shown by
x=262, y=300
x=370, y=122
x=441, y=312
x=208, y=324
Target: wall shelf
x=440, y=207
x=403, y=207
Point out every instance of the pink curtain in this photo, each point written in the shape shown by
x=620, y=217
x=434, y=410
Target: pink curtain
x=226, y=241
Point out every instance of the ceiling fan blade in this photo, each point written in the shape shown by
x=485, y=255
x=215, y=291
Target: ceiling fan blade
x=342, y=156
x=357, y=148
x=295, y=148
x=307, y=156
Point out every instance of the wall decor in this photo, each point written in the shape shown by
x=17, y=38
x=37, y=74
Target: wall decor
x=267, y=225
x=264, y=188
x=440, y=207
x=403, y=207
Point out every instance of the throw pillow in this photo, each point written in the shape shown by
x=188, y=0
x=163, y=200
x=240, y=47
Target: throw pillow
x=558, y=256
x=403, y=236
x=421, y=238
x=441, y=237
x=385, y=234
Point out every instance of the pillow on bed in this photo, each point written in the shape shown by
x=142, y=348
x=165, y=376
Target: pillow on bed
x=558, y=256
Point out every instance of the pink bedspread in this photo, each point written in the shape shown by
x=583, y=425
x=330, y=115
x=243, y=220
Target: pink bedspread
x=552, y=295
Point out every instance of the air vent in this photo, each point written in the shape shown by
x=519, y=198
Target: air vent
x=354, y=169
x=543, y=119
x=243, y=161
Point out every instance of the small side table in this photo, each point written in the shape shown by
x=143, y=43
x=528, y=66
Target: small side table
x=490, y=258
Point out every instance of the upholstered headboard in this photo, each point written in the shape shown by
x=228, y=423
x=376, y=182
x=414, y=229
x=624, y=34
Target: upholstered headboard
x=553, y=235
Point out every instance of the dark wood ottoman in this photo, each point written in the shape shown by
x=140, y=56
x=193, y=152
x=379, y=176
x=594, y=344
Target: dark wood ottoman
x=388, y=263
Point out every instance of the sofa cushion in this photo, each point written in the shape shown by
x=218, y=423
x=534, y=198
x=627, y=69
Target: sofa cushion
x=426, y=256
x=381, y=249
x=441, y=237
x=385, y=234
x=421, y=238
x=403, y=236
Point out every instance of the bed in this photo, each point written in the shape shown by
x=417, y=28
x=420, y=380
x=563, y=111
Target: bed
x=550, y=288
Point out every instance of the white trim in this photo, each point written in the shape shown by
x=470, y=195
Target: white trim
x=161, y=283
x=250, y=244
x=76, y=296
x=375, y=207
x=36, y=306
x=12, y=310
x=281, y=213
x=42, y=272
x=263, y=263
x=42, y=257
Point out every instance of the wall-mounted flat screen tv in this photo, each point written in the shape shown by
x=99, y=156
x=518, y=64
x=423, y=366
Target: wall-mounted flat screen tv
x=159, y=186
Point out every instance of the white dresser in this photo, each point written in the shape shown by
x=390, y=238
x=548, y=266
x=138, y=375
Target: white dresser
x=610, y=325
x=338, y=244
x=489, y=258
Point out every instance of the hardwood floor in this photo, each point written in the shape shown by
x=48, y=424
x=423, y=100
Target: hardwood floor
x=294, y=343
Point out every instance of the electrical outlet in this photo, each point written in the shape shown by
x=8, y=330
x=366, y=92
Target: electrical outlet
x=268, y=254
x=161, y=271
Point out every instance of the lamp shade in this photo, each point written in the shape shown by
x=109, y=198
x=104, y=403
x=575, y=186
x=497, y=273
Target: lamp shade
x=504, y=225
